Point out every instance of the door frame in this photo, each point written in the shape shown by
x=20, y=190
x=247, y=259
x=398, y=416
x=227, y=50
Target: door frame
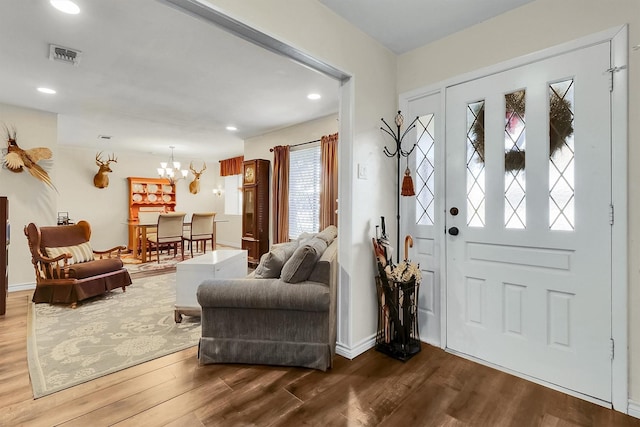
x=618, y=38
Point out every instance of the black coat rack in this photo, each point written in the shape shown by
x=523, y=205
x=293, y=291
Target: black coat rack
x=398, y=152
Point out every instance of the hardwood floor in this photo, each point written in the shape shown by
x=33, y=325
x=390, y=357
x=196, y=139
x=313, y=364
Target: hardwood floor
x=432, y=389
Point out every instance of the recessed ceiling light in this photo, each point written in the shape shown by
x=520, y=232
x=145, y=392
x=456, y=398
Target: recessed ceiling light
x=232, y=128
x=46, y=90
x=314, y=96
x=66, y=6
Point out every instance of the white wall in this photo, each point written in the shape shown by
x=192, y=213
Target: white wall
x=536, y=26
x=30, y=200
x=259, y=146
x=312, y=28
x=107, y=209
x=229, y=229
x=72, y=170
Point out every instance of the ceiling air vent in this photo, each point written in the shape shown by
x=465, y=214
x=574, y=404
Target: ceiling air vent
x=64, y=54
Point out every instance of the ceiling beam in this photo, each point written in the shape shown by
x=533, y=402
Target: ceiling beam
x=233, y=26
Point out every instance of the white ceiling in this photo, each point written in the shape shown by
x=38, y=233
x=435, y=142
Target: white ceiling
x=403, y=25
x=151, y=76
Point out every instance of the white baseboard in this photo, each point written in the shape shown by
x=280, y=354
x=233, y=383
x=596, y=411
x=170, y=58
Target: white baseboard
x=633, y=409
x=353, y=352
x=22, y=287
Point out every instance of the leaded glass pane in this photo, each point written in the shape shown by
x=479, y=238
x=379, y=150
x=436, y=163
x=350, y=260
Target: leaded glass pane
x=425, y=170
x=475, y=165
x=515, y=208
x=561, y=157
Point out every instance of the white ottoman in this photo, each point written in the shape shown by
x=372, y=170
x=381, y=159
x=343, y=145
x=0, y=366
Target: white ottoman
x=218, y=264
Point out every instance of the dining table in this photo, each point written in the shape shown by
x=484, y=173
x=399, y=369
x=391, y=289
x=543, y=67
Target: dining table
x=141, y=230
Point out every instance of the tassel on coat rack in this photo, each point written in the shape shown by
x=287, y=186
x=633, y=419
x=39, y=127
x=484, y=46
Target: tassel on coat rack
x=407, y=184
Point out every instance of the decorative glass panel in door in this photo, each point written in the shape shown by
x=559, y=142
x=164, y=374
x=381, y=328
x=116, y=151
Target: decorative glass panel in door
x=515, y=212
x=561, y=156
x=475, y=164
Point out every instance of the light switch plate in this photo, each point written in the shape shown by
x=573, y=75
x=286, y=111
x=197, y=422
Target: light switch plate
x=362, y=171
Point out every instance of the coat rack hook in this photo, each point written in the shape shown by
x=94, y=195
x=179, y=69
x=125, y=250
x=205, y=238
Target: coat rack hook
x=398, y=138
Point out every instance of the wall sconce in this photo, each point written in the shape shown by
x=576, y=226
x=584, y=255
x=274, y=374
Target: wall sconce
x=217, y=192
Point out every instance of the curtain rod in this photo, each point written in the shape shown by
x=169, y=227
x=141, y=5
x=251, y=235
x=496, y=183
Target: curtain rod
x=302, y=143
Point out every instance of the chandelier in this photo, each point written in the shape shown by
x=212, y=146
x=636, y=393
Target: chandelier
x=171, y=169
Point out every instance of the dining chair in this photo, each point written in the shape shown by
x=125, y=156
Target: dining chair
x=169, y=233
x=201, y=230
x=146, y=218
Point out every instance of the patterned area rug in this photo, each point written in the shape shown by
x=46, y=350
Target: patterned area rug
x=167, y=263
x=66, y=347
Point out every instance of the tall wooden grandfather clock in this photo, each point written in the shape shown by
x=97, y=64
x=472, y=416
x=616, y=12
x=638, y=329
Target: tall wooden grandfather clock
x=255, y=208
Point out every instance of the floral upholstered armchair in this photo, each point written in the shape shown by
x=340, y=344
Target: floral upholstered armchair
x=67, y=269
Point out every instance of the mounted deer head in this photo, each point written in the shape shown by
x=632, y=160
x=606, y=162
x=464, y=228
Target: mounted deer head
x=194, y=186
x=101, y=179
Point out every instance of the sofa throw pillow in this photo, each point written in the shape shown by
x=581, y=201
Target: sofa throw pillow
x=272, y=262
x=305, y=237
x=328, y=234
x=300, y=265
x=81, y=253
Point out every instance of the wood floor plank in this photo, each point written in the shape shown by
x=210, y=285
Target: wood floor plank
x=252, y=400
x=426, y=406
x=177, y=407
x=53, y=412
x=251, y=407
x=189, y=420
x=24, y=410
x=121, y=409
x=434, y=388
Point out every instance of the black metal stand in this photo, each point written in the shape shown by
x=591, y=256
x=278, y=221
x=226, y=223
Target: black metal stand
x=398, y=334
x=398, y=152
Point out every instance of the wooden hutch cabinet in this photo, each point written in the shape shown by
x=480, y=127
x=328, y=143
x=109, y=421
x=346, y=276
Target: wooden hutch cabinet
x=255, y=208
x=149, y=194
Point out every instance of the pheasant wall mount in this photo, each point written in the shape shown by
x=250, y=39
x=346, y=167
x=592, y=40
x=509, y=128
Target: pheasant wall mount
x=17, y=159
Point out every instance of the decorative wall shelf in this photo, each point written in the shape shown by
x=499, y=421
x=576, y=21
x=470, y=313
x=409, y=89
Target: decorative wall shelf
x=150, y=194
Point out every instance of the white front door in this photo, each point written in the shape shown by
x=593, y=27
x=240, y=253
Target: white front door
x=527, y=218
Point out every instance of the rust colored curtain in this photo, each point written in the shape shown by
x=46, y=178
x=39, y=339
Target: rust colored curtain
x=281, y=193
x=328, y=180
x=231, y=166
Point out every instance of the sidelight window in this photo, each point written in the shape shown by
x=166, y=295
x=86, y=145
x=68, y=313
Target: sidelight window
x=425, y=170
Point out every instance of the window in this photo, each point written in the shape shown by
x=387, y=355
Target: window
x=425, y=170
x=304, y=191
x=233, y=195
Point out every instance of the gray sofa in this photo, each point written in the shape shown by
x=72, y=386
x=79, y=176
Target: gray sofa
x=286, y=320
